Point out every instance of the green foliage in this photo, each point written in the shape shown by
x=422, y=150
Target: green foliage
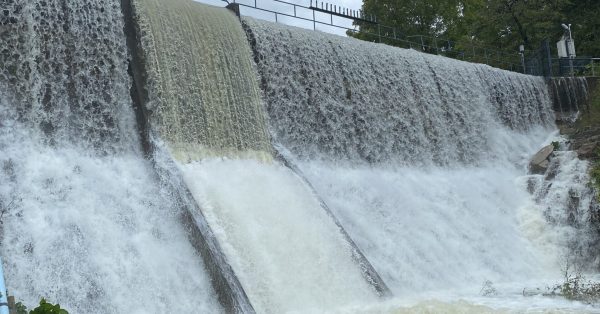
x=577, y=288
x=21, y=309
x=497, y=24
x=592, y=69
x=556, y=145
x=508, y=23
x=48, y=308
x=428, y=18
x=585, y=17
x=43, y=308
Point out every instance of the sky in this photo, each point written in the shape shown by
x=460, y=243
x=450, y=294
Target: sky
x=280, y=7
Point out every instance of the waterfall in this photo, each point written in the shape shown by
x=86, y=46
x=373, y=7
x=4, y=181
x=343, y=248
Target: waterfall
x=196, y=163
x=423, y=158
x=84, y=222
x=205, y=99
x=330, y=97
x=64, y=63
x=204, y=105
x=569, y=96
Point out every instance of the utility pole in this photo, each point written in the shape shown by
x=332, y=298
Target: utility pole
x=570, y=46
x=522, y=53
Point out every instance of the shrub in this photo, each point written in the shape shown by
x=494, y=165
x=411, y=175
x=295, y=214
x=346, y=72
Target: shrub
x=43, y=308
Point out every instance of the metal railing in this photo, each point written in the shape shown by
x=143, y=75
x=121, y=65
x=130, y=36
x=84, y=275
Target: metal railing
x=508, y=60
x=589, y=67
x=297, y=9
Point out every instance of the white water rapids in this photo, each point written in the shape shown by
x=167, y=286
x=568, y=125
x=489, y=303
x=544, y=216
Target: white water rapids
x=422, y=159
x=84, y=222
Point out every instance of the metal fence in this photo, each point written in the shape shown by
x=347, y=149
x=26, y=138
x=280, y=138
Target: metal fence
x=589, y=67
x=327, y=17
x=542, y=63
x=317, y=16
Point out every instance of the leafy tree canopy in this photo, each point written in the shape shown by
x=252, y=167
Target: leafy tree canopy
x=500, y=24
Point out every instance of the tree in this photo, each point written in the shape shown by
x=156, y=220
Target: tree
x=432, y=18
x=584, y=15
x=506, y=24
x=482, y=30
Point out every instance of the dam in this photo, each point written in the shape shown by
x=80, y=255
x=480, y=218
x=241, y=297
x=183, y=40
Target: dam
x=171, y=157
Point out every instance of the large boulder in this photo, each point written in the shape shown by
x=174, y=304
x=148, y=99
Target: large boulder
x=586, y=142
x=541, y=160
x=588, y=150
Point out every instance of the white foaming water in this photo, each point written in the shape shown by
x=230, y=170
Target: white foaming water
x=424, y=160
x=93, y=233
x=564, y=201
x=436, y=228
x=336, y=98
x=84, y=222
x=288, y=254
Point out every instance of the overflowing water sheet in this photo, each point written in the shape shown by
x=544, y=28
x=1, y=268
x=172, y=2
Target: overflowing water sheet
x=205, y=106
x=84, y=220
x=424, y=159
x=346, y=99
x=202, y=87
x=569, y=96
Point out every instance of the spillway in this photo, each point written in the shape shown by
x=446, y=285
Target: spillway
x=84, y=222
x=197, y=66
x=424, y=160
x=352, y=100
x=164, y=156
x=205, y=108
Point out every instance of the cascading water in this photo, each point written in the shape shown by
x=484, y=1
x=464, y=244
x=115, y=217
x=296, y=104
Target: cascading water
x=204, y=103
x=84, y=223
x=423, y=158
x=354, y=100
x=569, y=96
x=209, y=100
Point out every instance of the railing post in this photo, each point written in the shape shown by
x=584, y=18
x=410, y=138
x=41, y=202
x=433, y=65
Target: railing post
x=487, y=61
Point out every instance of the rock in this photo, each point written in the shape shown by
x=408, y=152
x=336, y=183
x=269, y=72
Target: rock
x=587, y=150
x=552, y=170
x=531, y=185
x=540, y=161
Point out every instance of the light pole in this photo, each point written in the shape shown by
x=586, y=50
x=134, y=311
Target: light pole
x=570, y=45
